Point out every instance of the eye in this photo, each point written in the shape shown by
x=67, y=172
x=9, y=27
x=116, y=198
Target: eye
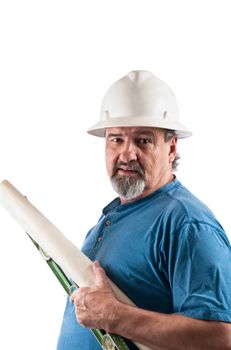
x=116, y=139
x=143, y=141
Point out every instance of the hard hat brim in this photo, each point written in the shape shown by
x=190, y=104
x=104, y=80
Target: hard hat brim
x=98, y=129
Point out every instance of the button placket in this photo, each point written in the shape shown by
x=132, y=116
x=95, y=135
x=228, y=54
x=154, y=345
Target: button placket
x=106, y=224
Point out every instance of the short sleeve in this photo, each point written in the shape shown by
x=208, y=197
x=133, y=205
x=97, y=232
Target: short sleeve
x=200, y=272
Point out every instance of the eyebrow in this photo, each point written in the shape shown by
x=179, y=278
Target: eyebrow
x=144, y=131
x=114, y=135
x=135, y=133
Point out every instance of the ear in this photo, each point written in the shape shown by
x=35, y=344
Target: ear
x=172, y=149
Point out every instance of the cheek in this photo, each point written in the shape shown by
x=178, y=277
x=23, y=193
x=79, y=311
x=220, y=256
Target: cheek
x=152, y=163
x=161, y=158
x=110, y=161
x=151, y=166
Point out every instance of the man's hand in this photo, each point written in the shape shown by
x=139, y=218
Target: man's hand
x=95, y=307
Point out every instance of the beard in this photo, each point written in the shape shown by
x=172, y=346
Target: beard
x=128, y=187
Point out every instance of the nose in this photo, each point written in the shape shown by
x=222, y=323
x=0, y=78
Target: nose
x=128, y=152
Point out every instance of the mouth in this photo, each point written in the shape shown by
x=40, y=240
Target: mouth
x=131, y=169
x=127, y=172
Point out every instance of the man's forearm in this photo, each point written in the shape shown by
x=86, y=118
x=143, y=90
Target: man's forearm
x=170, y=332
x=97, y=307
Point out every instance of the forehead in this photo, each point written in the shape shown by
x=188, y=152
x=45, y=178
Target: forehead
x=125, y=131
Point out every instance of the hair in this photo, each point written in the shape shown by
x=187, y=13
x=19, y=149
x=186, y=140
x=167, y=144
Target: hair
x=169, y=134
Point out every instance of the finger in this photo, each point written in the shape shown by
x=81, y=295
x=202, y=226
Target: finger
x=72, y=297
x=100, y=275
x=75, y=293
x=78, y=295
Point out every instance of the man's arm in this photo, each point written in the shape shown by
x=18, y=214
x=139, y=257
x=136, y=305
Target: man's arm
x=97, y=307
x=171, y=332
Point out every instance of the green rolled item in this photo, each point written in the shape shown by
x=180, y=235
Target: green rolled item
x=62, y=252
x=66, y=284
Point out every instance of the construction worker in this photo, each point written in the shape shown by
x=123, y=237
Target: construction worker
x=160, y=244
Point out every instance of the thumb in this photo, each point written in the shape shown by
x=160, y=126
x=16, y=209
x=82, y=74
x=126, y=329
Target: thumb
x=100, y=275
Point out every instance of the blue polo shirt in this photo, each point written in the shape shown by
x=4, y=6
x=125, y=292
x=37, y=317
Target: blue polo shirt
x=167, y=252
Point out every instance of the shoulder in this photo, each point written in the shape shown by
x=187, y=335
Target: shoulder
x=182, y=216
x=184, y=208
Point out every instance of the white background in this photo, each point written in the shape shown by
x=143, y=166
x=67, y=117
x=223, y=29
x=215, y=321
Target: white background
x=57, y=58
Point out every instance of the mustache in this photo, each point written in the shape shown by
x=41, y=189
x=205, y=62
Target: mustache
x=132, y=165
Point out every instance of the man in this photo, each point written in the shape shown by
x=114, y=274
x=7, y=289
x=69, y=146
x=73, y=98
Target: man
x=161, y=245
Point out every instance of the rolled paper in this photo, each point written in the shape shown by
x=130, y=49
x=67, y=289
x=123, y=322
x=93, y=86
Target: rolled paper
x=75, y=264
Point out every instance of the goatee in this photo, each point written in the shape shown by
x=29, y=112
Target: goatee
x=128, y=187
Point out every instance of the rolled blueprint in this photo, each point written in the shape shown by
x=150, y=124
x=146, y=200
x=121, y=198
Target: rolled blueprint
x=75, y=264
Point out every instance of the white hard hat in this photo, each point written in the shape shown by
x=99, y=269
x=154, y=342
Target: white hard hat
x=139, y=99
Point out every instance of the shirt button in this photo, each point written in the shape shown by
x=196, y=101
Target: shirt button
x=99, y=239
x=108, y=222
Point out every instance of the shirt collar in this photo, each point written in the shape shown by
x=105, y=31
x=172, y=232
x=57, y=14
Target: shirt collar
x=115, y=204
